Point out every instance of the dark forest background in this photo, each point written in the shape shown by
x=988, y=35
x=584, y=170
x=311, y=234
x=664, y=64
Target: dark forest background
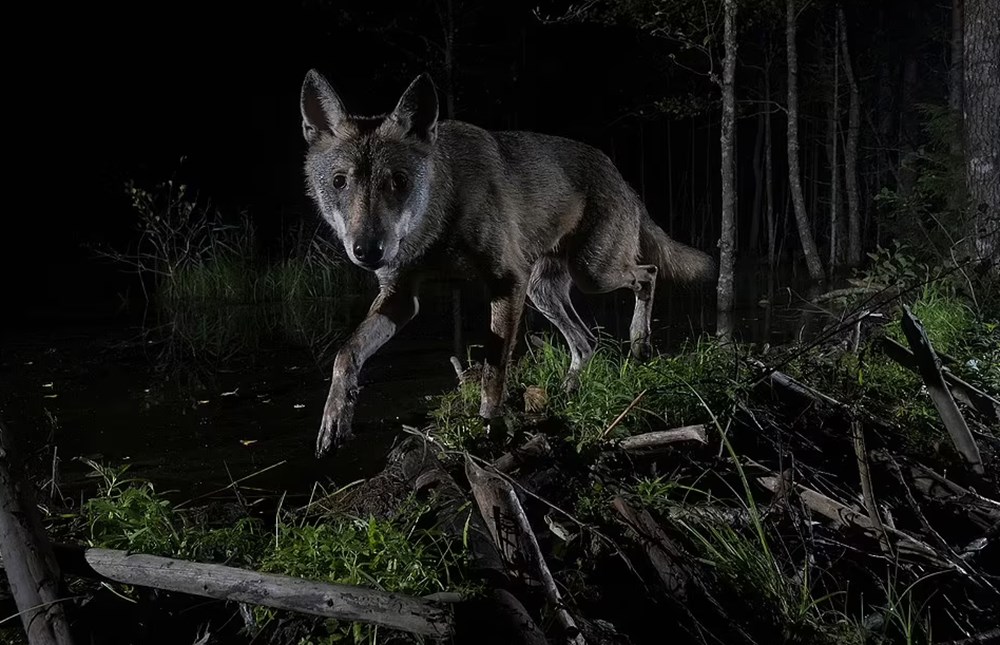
x=103, y=95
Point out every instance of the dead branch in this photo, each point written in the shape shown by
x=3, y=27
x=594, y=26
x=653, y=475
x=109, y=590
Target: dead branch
x=930, y=371
x=969, y=394
x=515, y=539
x=847, y=517
x=342, y=602
x=667, y=557
x=659, y=441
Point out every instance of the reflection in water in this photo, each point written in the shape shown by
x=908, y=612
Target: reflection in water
x=196, y=395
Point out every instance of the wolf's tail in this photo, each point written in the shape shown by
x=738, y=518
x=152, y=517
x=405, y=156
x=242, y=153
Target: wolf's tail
x=676, y=262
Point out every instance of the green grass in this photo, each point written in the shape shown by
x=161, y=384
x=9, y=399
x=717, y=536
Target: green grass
x=404, y=553
x=674, y=387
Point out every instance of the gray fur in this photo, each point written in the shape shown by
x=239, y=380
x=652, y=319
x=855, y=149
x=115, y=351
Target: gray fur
x=528, y=214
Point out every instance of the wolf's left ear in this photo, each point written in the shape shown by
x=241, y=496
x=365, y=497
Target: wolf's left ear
x=322, y=109
x=417, y=111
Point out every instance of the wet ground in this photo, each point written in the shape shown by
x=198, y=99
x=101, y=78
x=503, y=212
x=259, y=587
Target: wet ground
x=196, y=398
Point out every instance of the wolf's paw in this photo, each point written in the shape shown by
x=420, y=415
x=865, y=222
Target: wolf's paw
x=335, y=430
x=642, y=349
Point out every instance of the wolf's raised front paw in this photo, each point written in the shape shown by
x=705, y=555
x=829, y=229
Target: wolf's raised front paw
x=335, y=430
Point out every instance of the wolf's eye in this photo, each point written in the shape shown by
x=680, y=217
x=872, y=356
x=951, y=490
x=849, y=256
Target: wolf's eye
x=339, y=181
x=399, y=181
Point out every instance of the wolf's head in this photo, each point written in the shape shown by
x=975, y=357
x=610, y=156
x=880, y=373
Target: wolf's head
x=370, y=176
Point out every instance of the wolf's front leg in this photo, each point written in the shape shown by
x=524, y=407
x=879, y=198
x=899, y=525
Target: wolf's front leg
x=506, y=306
x=394, y=306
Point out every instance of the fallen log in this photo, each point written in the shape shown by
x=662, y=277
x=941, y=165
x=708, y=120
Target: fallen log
x=662, y=439
x=845, y=516
x=350, y=603
x=789, y=385
x=515, y=539
x=930, y=371
x=28, y=559
x=667, y=558
x=972, y=396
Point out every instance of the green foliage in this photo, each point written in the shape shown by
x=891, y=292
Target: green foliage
x=674, y=391
x=677, y=388
x=195, y=255
x=404, y=553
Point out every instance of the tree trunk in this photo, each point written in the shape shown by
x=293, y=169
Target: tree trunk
x=727, y=239
x=813, y=261
x=758, y=186
x=833, y=119
x=955, y=69
x=851, y=150
x=772, y=231
x=982, y=124
x=28, y=560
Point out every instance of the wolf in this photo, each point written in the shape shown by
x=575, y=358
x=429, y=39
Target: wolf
x=530, y=215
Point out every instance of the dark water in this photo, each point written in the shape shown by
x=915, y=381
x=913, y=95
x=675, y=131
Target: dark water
x=196, y=398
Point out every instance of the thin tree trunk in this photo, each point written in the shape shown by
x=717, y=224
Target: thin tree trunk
x=851, y=150
x=772, y=231
x=908, y=127
x=758, y=186
x=813, y=261
x=670, y=184
x=727, y=141
x=833, y=119
x=955, y=80
x=982, y=124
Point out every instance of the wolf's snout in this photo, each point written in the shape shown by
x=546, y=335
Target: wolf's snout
x=369, y=252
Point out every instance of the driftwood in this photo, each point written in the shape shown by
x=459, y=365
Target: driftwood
x=845, y=517
x=982, y=511
x=341, y=602
x=515, y=539
x=27, y=555
x=789, y=385
x=537, y=446
x=969, y=394
x=667, y=557
x=930, y=371
x=663, y=439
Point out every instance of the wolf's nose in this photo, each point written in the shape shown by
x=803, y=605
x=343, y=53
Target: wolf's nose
x=369, y=251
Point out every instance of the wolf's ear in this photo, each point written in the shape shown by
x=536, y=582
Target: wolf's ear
x=416, y=114
x=322, y=109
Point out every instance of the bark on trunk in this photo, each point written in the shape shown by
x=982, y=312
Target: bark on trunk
x=27, y=555
x=813, y=261
x=833, y=120
x=955, y=89
x=772, y=231
x=982, y=124
x=851, y=150
x=727, y=240
x=758, y=185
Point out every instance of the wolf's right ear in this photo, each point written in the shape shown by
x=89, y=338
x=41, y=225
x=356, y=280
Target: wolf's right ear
x=322, y=109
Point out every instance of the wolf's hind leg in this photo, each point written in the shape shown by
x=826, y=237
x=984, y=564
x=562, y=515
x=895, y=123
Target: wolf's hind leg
x=548, y=289
x=644, y=285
